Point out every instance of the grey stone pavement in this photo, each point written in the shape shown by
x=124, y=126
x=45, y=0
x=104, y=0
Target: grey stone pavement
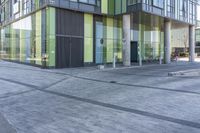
x=86, y=100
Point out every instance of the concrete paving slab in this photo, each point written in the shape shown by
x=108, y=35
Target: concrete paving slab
x=83, y=100
x=5, y=127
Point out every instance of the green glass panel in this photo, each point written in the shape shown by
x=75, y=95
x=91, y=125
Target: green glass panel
x=38, y=39
x=118, y=39
x=124, y=5
x=33, y=39
x=13, y=43
x=51, y=38
x=88, y=38
x=111, y=7
x=118, y=8
x=37, y=4
x=104, y=6
x=22, y=45
x=109, y=39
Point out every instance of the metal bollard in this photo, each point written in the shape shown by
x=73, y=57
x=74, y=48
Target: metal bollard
x=114, y=60
x=160, y=60
x=140, y=56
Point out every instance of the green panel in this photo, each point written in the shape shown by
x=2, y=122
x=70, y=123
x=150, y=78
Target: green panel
x=109, y=39
x=111, y=7
x=104, y=6
x=88, y=38
x=22, y=45
x=124, y=5
x=51, y=38
x=37, y=4
x=118, y=8
x=13, y=43
x=38, y=39
x=7, y=42
x=119, y=39
x=33, y=39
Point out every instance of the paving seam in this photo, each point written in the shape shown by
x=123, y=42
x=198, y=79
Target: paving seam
x=60, y=73
x=96, y=80
x=34, y=88
x=16, y=94
x=149, y=75
x=140, y=86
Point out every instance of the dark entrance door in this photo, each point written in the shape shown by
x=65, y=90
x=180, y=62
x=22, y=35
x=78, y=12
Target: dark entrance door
x=134, y=51
x=63, y=52
x=70, y=36
x=69, y=52
x=76, y=52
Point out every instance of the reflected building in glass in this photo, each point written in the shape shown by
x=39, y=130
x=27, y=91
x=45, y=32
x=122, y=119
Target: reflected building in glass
x=74, y=33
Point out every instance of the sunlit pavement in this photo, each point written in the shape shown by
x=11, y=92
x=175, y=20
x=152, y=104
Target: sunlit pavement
x=197, y=59
x=87, y=100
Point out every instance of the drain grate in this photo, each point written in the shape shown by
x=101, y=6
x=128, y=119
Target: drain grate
x=113, y=81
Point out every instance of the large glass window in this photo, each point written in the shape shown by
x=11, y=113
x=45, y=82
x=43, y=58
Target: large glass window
x=22, y=40
x=26, y=6
x=132, y=2
x=183, y=9
x=92, y=2
x=158, y=3
x=171, y=8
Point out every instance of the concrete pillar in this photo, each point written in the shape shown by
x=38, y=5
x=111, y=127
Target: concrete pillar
x=167, y=42
x=126, y=40
x=191, y=43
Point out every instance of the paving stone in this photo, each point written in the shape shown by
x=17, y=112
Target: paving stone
x=88, y=100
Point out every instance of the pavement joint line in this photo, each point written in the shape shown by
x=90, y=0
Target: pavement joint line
x=17, y=82
x=116, y=107
x=125, y=109
x=144, y=75
x=47, y=71
x=34, y=88
x=148, y=68
x=33, y=70
x=16, y=94
x=140, y=86
x=96, y=80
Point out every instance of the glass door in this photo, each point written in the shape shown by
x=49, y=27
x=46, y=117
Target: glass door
x=99, y=43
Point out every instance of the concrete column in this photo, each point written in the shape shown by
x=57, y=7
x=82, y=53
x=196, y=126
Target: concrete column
x=126, y=40
x=167, y=42
x=191, y=43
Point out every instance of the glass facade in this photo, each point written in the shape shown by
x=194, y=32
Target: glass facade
x=91, y=31
x=198, y=37
x=179, y=42
x=182, y=10
x=104, y=40
x=30, y=39
x=147, y=31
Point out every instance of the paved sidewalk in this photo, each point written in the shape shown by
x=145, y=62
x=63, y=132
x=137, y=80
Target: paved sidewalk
x=5, y=127
x=87, y=100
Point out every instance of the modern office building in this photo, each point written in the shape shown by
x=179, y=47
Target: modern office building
x=73, y=33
